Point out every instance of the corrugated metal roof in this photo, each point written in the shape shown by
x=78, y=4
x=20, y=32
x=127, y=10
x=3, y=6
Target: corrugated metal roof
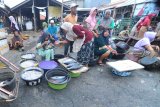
x=131, y=2
x=124, y=3
x=26, y=1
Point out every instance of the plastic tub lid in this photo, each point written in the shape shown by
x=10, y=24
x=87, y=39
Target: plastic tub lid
x=48, y=65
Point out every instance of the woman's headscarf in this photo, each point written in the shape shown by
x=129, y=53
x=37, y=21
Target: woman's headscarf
x=91, y=19
x=148, y=38
x=68, y=27
x=150, y=35
x=13, y=21
x=150, y=16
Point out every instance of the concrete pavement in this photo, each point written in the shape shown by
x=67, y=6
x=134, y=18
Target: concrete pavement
x=96, y=88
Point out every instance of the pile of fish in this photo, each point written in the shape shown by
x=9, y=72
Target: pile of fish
x=31, y=75
x=58, y=79
x=28, y=56
x=28, y=63
x=71, y=64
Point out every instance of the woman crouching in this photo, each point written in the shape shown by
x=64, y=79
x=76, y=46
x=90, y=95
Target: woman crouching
x=102, y=48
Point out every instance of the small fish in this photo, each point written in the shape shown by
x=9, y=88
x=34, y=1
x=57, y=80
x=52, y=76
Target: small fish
x=69, y=62
x=58, y=77
x=75, y=67
x=72, y=64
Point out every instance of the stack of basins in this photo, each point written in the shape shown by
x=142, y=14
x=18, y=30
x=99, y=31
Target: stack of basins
x=121, y=48
x=28, y=60
x=31, y=74
x=150, y=62
x=57, y=78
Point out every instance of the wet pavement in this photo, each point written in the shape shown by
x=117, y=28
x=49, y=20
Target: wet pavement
x=96, y=88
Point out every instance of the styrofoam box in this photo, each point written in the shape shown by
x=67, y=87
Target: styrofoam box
x=4, y=46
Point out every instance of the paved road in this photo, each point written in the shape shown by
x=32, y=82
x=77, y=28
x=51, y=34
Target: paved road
x=96, y=88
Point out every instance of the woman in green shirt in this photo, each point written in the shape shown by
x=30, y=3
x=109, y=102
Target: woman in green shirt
x=45, y=47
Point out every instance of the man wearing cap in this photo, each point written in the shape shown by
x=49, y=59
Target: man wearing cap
x=72, y=18
x=52, y=30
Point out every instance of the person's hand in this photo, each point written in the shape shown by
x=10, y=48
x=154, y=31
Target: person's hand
x=45, y=43
x=83, y=32
x=57, y=42
x=95, y=34
x=64, y=41
x=157, y=48
x=114, y=52
x=74, y=38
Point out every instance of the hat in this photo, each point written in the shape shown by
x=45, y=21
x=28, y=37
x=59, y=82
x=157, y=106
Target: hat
x=52, y=21
x=73, y=5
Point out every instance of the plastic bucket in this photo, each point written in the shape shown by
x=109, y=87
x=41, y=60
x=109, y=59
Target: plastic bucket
x=29, y=79
x=59, y=83
x=58, y=56
x=28, y=56
x=7, y=79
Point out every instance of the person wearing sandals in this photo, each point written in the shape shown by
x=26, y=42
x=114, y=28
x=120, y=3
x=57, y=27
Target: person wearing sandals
x=102, y=49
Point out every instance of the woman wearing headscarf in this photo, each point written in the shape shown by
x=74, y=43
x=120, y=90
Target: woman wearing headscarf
x=107, y=21
x=45, y=46
x=14, y=25
x=91, y=19
x=102, y=47
x=16, y=42
x=143, y=47
x=143, y=26
x=85, y=48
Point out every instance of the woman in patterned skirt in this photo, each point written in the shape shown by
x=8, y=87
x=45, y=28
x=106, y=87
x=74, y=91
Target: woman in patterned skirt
x=75, y=32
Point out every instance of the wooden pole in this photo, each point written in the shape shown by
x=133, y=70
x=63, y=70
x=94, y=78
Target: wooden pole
x=133, y=8
x=35, y=24
x=20, y=18
x=48, y=9
x=62, y=13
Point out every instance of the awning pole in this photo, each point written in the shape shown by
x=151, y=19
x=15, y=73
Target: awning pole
x=48, y=9
x=35, y=25
x=62, y=13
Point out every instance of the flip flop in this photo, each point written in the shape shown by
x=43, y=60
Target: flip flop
x=100, y=64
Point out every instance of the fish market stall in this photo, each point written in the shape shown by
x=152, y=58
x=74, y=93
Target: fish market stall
x=75, y=69
x=124, y=67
